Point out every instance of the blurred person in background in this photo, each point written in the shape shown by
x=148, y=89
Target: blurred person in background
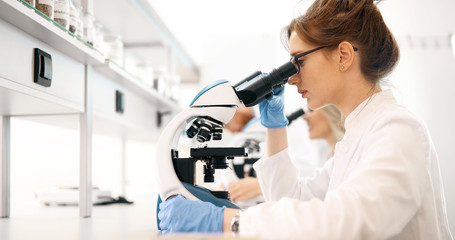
x=326, y=123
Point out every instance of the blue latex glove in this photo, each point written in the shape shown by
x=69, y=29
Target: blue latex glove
x=181, y=215
x=272, y=110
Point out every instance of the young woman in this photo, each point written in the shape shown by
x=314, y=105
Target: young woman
x=383, y=181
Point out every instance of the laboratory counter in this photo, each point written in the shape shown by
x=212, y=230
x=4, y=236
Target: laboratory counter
x=117, y=221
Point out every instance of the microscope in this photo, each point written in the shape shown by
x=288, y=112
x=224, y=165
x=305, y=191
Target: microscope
x=212, y=107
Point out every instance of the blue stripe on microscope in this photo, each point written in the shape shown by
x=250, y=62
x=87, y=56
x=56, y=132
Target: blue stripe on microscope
x=208, y=87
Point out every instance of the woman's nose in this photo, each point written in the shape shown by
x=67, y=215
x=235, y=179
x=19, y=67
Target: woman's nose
x=292, y=80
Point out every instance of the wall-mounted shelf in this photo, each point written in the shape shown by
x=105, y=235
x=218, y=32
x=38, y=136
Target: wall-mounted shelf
x=145, y=35
x=39, y=26
x=117, y=73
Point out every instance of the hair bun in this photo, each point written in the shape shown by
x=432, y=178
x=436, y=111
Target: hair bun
x=329, y=22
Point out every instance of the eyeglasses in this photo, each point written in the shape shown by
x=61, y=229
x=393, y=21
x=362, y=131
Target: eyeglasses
x=298, y=63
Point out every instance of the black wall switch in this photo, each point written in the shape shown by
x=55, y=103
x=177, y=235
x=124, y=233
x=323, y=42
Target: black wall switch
x=43, y=68
x=119, y=102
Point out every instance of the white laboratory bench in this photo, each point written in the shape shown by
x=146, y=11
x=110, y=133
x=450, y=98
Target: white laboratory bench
x=117, y=221
x=113, y=222
x=84, y=84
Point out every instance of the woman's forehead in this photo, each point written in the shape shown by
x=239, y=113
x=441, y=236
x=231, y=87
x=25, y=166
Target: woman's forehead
x=297, y=44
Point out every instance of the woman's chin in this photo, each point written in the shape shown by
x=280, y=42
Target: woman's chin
x=313, y=105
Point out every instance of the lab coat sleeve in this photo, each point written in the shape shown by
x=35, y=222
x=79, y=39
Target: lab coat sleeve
x=376, y=201
x=279, y=178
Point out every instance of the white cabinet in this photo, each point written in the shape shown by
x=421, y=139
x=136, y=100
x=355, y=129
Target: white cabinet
x=84, y=82
x=137, y=120
x=17, y=61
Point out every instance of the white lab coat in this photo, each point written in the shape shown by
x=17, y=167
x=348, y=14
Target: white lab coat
x=382, y=183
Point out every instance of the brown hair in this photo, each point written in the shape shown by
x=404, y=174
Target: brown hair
x=329, y=22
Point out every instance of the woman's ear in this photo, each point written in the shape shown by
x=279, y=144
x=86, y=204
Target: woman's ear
x=346, y=55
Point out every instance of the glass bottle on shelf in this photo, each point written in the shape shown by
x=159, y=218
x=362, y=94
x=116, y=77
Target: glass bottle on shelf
x=46, y=7
x=159, y=80
x=31, y=2
x=114, y=48
x=98, y=39
x=132, y=64
x=75, y=18
x=174, y=87
x=62, y=13
x=145, y=73
x=89, y=29
x=80, y=26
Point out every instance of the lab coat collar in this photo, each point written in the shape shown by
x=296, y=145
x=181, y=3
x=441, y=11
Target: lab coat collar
x=365, y=110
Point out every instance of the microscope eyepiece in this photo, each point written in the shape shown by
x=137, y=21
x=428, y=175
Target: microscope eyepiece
x=293, y=116
x=258, y=86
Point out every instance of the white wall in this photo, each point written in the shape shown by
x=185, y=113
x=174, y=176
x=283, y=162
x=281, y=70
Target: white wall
x=425, y=80
x=44, y=156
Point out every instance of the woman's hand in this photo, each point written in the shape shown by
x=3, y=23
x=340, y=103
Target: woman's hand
x=274, y=119
x=181, y=215
x=244, y=189
x=272, y=110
